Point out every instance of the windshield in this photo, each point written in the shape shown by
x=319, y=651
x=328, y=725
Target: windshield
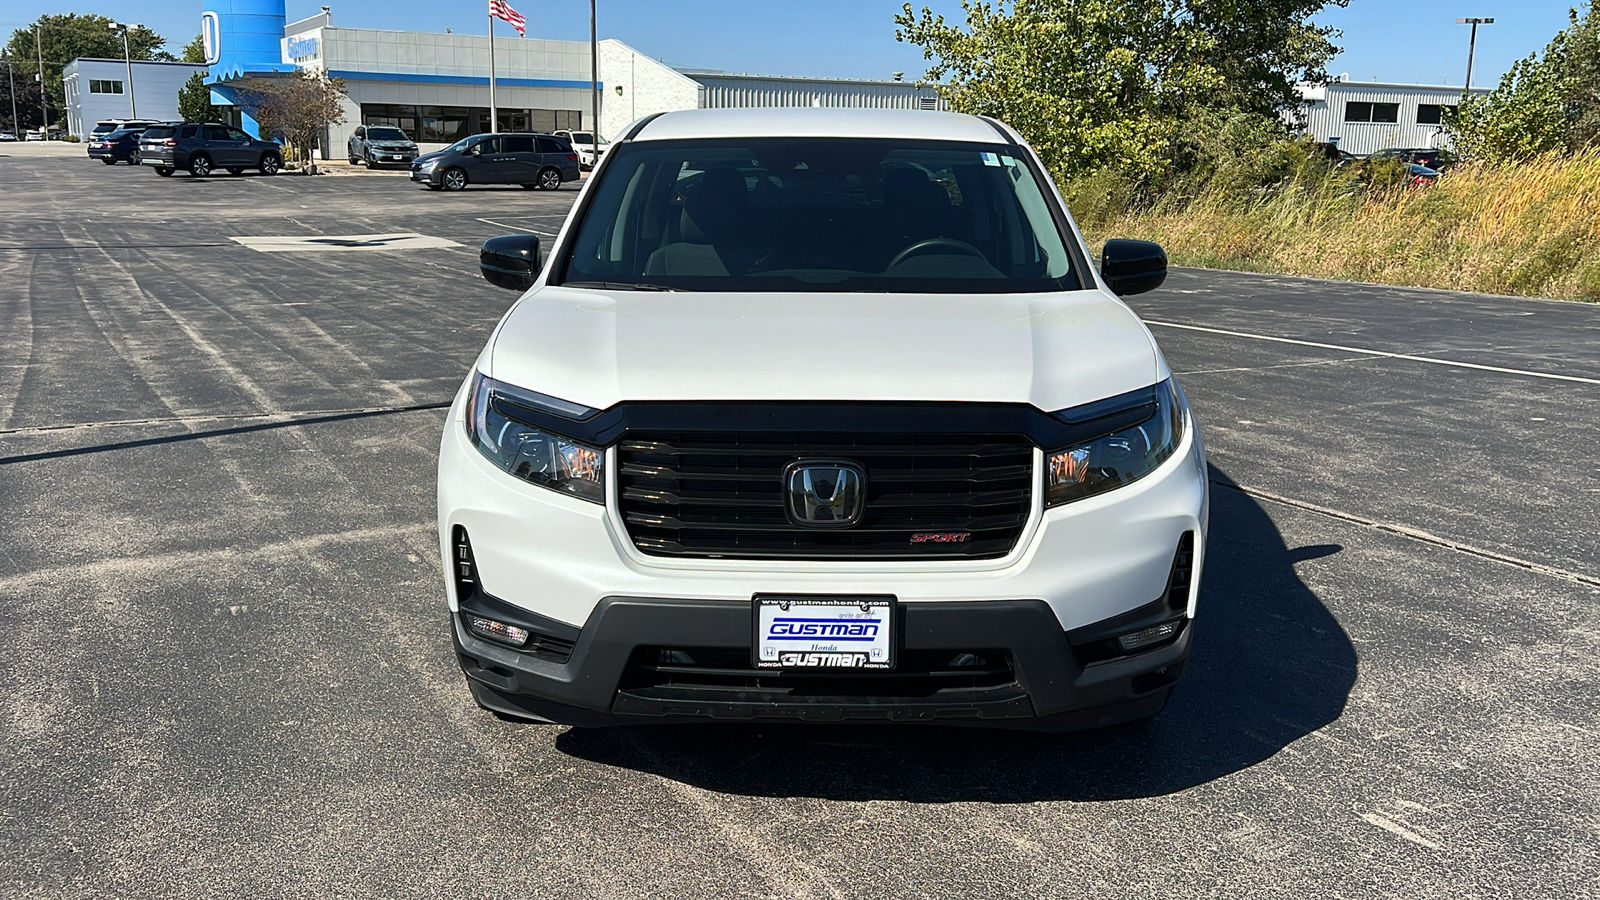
x=821, y=214
x=464, y=143
x=386, y=134
x=584, y=137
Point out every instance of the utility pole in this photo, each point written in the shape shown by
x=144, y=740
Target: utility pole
x=594, y=85
x=44, y=98
x=127, y=60
x=11, y=73
x=1472, y=44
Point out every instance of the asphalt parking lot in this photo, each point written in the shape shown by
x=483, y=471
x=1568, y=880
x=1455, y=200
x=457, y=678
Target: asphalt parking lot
x=225, y=669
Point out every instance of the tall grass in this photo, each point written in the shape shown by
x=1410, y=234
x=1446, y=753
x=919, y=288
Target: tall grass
x=1530, y=229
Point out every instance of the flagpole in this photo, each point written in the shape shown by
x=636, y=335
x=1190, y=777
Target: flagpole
x=494, y=111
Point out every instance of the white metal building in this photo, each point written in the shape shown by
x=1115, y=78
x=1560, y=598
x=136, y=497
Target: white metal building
x=98, y=89
x=638, y=85
x=1365, y=117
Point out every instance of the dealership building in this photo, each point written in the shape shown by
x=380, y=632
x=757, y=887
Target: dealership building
x=435, y=87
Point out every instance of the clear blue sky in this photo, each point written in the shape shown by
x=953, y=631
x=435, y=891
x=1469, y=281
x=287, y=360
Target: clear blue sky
x=1392, y=40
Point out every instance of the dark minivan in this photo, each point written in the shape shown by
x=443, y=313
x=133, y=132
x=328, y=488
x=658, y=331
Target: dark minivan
x=204, y=147
x=531, y=160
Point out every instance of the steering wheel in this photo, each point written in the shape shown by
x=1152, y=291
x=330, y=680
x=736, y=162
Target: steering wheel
x=927, y=244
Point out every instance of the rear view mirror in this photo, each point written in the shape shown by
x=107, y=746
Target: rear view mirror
x=1132, y=267
x=511, y=261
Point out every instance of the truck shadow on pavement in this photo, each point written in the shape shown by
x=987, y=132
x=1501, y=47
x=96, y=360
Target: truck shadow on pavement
x=1270, y=666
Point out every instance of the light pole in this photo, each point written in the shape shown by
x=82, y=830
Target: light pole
x=594, y=86
x=133, y=107
x=1472, y=44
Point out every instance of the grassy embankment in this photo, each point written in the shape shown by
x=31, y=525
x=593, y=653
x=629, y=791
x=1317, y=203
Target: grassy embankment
x=1530, y=229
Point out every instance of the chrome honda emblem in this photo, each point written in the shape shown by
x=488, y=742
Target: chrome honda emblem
x=825, y=493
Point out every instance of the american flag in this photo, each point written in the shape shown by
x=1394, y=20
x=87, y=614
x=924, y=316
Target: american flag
x=500, y=9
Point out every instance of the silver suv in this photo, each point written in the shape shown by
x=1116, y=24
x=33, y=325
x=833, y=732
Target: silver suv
x=380, y=145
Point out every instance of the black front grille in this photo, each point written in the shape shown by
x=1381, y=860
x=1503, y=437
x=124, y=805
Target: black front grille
x=704, y=494
x=724, y=674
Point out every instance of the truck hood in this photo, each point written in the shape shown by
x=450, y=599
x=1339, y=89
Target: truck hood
x=600, y=347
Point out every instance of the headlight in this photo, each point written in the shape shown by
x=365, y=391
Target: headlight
x=1119, y=458
x=427, y=164
x=528, y=451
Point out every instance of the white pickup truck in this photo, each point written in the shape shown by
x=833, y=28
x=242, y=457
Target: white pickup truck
x=821, y=416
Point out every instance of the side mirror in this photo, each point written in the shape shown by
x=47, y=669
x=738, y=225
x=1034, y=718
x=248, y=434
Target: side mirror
x=511, y=261
x=1132, y=267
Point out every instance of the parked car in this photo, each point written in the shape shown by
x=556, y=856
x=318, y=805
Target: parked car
x=1420, y=174
x=40, y=134
x=7, y=136
x=1437, y=159
x=106, y=126
x=204, y=147
x=853, y=431
x=114, y=146
x=532, y=160
x=584, y=143
x=380, y=145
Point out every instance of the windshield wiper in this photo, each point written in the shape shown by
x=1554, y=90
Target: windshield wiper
x=618, y=286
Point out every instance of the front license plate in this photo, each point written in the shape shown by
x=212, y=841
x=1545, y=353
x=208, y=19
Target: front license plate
x=824, y=632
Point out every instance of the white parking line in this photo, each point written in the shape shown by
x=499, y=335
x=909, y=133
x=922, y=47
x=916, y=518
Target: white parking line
x=1383, y=353
x=545, y=233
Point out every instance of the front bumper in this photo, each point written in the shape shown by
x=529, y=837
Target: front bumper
x=424, y=176
x=1031, y=676
x=390, y=158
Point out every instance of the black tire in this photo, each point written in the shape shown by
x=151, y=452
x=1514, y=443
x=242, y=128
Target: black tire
x=550, y=179
x=133, y=160
x=200, y=165
x=368, y=163
x=354, y=160
x=109, y=160
x=235, y=170
x=271, y=163
x=453, y=179
x=163, y=171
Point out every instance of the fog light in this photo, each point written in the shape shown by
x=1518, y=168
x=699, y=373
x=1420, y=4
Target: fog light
x=498, y=632
x=1155, y=634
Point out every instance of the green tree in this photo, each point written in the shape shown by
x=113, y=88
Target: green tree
x=1120, y=83
x=194, y=100
x=195, y=50
x=64, y=38
x=295, y=108
x=1544, y=104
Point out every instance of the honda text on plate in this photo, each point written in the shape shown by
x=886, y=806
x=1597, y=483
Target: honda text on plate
x=821, y=416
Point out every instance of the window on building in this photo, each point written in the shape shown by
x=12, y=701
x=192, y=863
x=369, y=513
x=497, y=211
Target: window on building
x=1362, y=111
x=104, y=86
x=394, y=115
x=1433, y=113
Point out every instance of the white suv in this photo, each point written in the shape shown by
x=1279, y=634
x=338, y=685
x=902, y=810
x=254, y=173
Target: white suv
x=821, y=415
